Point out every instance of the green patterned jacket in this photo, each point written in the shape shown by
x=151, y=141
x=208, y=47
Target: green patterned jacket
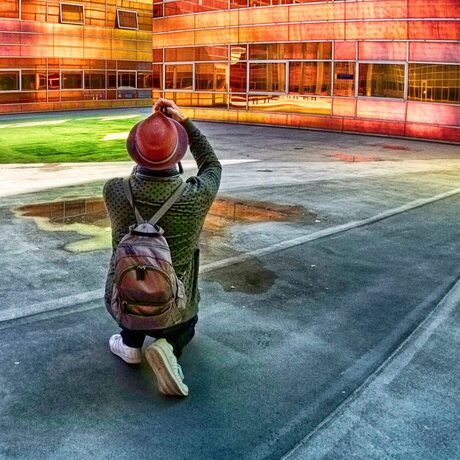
x=182, y=223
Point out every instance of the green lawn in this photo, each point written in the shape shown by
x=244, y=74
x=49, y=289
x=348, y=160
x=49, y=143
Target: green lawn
x=75, y=140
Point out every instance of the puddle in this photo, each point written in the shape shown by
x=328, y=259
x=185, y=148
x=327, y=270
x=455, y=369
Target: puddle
x=392, y=147
x=249, y=278
x=87, y=217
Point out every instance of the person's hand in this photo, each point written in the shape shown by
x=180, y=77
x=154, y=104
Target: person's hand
x=169, y=108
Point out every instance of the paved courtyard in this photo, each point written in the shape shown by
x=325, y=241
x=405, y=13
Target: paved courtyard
x=329, y=321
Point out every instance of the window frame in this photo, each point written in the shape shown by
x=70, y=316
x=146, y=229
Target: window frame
x=405, y=83
x=61, y=20
x=19, y=81
x=314, y=61
x=265, y=61
x=61, y=79
x=187, y=90
x=127, y=11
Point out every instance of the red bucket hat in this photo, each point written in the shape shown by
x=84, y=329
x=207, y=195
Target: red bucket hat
x=158, y=142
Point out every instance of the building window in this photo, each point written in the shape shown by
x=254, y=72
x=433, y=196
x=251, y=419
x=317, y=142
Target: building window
x=126, y=79
x=54, y=80
x=179, y=76
x=72, y=80
x=127, y=19
x=9, y=9
x=344, y=79
x=305, y=50
x=267, y=77
x=211, y=77
x=72, y=13
x=434, y=83
x=381, y=80
x=310, y=78
x=94, y=80
x=32, y=81
x=144, y=80
x=9, y=80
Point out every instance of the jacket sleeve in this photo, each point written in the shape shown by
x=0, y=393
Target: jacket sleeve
x=209, y=167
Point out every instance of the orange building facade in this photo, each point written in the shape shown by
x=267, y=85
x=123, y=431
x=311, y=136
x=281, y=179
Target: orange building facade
x=389, y=67
x=57, y=55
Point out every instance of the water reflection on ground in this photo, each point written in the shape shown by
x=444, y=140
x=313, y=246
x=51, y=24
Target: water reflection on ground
x=88, y=217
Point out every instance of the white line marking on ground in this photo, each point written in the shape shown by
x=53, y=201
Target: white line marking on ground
x=323, y=233
x=116, y=136
x=72, y=300
x=381, y=377
x=33, y=123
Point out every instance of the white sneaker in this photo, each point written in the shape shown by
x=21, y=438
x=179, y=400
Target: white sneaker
x=164, y=363
x=127, y=354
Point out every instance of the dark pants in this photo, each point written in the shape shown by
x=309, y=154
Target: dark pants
x=178, y=336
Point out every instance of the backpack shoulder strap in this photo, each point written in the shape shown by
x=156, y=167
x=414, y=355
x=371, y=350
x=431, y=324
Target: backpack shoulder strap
x=169, y=202
x=129, y=196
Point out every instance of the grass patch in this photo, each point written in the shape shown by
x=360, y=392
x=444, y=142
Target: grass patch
x=76, y=140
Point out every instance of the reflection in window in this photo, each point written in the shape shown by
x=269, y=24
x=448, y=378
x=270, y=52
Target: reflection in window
x=344, y=79
x=72, y=13
x=306, y=50
x=111, y=80
x=144, y=80
x=381, y=80
x=270, y=77
x=94, y=80
x=179, y=76
x=127, y=19
x=157, y=76
x=126, y=79
x=9, y=80
x=72, y=80
x=211, y=77
x=434, y=82
x=290, y=103
x=9, y=9
x=54, y=80
x=310, y=78
x=238, y=77
x=32, y=81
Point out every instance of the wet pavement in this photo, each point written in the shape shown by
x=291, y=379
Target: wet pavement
x=329, y=321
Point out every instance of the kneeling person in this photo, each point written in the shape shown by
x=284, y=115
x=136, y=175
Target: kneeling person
x=158, y=144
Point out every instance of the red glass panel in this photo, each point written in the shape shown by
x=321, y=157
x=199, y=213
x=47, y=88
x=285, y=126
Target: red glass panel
x=434, y=52
x=394, y=30
x=437, y=9
x=317, y=31
x=345, y=50
x=439, y=114
x=434, y=30
x=382, y=110
x=384, y=51
x=388, y=9
x=344, y=107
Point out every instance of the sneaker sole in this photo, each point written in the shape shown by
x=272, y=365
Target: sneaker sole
x=168, y=383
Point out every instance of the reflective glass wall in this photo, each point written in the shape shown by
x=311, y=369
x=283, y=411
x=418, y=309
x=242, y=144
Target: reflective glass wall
x=59, y=55
x=390, y=67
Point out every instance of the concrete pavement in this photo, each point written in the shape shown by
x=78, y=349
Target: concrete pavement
x=327, y=334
